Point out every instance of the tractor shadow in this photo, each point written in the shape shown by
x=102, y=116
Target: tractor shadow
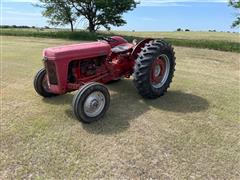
x=126, y=105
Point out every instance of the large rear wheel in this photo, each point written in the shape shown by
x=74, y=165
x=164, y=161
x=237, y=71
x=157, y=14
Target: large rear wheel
x=154, y=69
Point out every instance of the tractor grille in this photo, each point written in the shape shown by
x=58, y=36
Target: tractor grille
x=51, y=70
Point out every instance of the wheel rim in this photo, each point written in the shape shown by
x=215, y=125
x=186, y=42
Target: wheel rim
x=94, y=104
x=160, y=71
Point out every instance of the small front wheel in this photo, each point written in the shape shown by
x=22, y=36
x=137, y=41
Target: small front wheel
x=91, y=102
x=40, y=84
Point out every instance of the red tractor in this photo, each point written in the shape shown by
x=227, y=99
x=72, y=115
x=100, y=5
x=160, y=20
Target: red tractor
x=86, y=66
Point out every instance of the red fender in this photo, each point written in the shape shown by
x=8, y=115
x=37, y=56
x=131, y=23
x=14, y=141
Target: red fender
x=137, y=49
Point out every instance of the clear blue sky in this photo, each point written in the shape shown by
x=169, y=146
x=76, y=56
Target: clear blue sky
x=150, y=15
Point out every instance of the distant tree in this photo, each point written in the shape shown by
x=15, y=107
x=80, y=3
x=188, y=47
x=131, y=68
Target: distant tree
x=187, y=30
x=59, y=12
x=212, y=30
x=5, y=26
x=23, y=27
x=179, y=29
x=103, y=12
x=236, y=5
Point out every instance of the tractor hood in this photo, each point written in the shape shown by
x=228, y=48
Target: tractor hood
x=78, y=51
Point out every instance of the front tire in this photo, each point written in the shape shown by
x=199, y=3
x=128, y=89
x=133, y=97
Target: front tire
x=154, y=69
x=40, y=84
x=91, y=102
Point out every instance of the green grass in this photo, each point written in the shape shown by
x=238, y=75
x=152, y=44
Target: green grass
x=48, y=33
x=219, y=36
x=190, y=133
x=210, y=40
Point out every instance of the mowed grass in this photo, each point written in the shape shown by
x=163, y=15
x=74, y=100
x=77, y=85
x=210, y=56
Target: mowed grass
x=194, y=35
x=193, y=132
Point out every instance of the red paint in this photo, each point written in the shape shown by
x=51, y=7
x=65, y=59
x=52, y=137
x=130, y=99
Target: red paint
x=158, y=62
x=77, y=64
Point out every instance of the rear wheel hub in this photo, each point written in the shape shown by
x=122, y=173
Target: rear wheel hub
x=160, y=71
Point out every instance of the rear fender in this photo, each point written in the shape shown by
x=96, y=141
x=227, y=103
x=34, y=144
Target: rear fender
x=137, y=49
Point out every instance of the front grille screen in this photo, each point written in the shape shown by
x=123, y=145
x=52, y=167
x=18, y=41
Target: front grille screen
x=51, y=70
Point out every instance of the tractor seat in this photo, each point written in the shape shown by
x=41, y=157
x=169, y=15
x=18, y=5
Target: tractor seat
x=122, y=48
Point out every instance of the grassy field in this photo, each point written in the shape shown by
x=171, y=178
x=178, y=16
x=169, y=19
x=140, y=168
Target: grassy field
x=190, y=133
x=209, y=40
x=222, y=36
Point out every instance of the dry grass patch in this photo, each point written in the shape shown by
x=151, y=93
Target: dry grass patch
x=192, y=132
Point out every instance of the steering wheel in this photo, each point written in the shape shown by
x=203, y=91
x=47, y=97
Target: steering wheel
x=108, y=39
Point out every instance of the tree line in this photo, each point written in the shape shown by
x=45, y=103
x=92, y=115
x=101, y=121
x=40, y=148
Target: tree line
x=98, y=13
x=23, y=27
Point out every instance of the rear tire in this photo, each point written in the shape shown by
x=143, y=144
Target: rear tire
x=154, y=69
x=40, y=84
x=91, y=102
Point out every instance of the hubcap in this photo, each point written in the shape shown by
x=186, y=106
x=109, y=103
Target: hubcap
x=160, y=71
x=94, y=104
x=157, y=70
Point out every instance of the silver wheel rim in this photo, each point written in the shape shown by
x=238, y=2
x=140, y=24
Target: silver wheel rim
x=157, y=71
x=94, y=104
